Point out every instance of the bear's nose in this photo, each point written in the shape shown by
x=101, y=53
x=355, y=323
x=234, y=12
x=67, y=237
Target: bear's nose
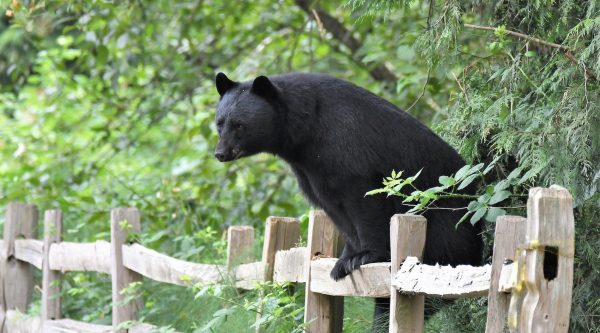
x=220, y=155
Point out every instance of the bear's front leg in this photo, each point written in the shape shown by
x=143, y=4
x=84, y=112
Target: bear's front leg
x=342, y=266
x=370, y=218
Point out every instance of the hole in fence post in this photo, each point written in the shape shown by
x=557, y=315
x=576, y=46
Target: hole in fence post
x=550, y=262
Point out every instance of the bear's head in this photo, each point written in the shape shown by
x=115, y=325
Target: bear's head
x=247, y=117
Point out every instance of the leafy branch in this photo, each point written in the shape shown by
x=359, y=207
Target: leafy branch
x=482, y=205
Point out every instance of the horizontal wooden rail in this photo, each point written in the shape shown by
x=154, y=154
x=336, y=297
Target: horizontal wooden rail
x=371, y=280
x=442, y=281
x=18, y=322
x=160, y=267
x=95, y=257
x=29, y=250
x=289, y=265
x=69, y=325
x=80, y=257
x=248, y=275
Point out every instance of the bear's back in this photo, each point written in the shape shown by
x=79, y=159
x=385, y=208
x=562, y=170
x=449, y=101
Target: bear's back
x=372, y=133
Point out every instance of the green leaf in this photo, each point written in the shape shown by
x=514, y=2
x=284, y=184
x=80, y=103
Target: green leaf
x=514, y=174
x=101, y=55
x=376, y=191
x=462, y=172
x=499, y=197
x=467, y=181
x=463, y=218
x=473, y=206
x=493, y=213
x=491, y=166
x=478, y=214
x=530, y=54
x=446, y=181
x=501, y=185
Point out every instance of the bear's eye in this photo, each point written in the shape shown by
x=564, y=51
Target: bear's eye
x=238, y=126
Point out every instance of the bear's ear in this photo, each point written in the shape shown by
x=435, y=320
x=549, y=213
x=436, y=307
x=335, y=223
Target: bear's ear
x=262, y=86
x=223, y=83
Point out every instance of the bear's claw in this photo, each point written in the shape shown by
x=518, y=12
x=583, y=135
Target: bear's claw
x=346, y=265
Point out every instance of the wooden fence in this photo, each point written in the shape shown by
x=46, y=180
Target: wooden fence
x=528, y=283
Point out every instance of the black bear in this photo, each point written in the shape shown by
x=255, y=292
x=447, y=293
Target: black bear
x=340, y=141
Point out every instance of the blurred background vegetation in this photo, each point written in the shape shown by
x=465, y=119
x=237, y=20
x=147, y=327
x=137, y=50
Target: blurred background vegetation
x=111, y=103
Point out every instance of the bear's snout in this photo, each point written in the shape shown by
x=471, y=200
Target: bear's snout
x=220, y=156
x=223, y=156
x=228, y=154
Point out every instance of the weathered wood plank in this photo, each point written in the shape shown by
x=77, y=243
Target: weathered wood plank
x=16, y=277
x=80, y=257
x=74, y=326
x=240, y=243
x=550, y=250
x=371, y=280
x=289, y=265
x=448, y=282
x=407, y=238
x=17, y=322
x=248, y=275
x=507, y=282
x=51, y=280
x=281, y=233
x=124, y=223
x=30, y=251
x=160, y=267
x=322, y=313
x=143, y=328
x=20, y=323
x=510, y=232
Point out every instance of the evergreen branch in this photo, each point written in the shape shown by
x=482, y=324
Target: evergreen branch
x=520, y=35
x=567, y=51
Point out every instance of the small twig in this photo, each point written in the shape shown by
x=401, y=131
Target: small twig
x=461, y=87
x=430, y=14
x=319, y=23
x=422, y=91
x=574, y=60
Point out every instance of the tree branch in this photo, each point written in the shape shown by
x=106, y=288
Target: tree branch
x=343, y=35
x=520, y=35
x=567, y=51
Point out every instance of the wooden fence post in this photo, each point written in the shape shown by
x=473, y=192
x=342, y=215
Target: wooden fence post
x=407, y=238
x=281, y=233
x=21, y=222
x=322, y=313
x=509, y=234
x=51, y=280
x=549, y=254
x=124, y=222
x=240, y=241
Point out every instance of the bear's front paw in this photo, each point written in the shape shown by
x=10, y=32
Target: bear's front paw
x=345, y=265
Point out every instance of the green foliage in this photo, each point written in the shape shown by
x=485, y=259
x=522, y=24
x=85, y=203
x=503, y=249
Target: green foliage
x=106, y=104
x=111, y=104
x=279, y=306
x=529, y=101
x=484, y=203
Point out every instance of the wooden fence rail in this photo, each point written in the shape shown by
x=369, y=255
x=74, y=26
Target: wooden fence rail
x=528, y=283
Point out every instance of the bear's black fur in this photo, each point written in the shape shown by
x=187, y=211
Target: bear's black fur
x=341, y=141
